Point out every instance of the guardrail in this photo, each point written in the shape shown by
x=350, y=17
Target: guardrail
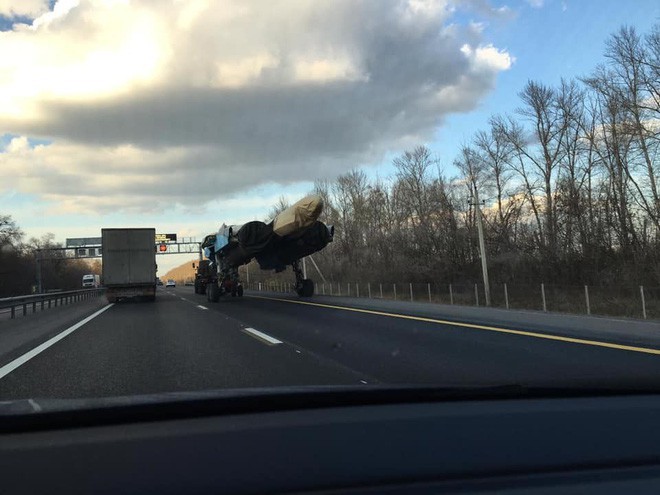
x=46, y=301
x=641, y=302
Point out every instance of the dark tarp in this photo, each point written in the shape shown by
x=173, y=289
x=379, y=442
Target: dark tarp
x=287, y=250
x=255, y=236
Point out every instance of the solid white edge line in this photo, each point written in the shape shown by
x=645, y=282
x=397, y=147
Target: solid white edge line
x=201, y=307
x=19, y=361
x=262, y=336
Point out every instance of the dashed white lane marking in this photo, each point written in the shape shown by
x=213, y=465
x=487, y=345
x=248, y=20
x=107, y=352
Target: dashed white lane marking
x=363, y=381
x=19, y=361
x=201, y=307
x=261, y=336
x=183, y=298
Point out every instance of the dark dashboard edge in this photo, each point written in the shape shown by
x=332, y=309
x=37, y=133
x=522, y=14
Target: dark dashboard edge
x=50, y=414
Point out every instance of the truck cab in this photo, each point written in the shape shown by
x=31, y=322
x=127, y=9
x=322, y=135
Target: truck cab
x=203, y=274
x=91, y=280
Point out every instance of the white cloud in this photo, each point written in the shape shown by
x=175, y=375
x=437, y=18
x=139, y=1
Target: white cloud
x=148, y=101
x=245, y=71
x=104, y=178
x=66, y=59
x=537, y=4
x=60, y=9
x=24, y=8
x=327, y=70
x=488, y=58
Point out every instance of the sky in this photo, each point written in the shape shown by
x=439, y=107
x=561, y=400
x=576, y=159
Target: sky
x=184, y=114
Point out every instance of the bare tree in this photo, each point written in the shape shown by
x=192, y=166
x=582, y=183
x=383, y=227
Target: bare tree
x=513, y=133
x=629, y=62
x=575, y=168
x=495, y=151
x=549, y=125
x=612, y=143
x=350, y=192
x=10, y=233
x=281, y=205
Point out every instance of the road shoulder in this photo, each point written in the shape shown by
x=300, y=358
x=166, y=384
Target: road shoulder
x=19, y=335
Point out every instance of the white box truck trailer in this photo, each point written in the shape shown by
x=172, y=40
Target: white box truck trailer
x=129, y=263
x=91, y=281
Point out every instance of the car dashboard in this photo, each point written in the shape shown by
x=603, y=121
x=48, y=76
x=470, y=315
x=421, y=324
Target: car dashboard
x=327, y=443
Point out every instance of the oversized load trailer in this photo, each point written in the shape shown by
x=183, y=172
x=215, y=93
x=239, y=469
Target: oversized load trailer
x=129, y=263
x=292, y=235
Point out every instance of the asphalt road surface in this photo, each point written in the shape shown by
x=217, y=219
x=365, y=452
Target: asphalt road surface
x=184, y=343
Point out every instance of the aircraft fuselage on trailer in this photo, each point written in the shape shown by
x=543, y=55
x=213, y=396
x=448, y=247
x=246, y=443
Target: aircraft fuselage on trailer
x=293, y=234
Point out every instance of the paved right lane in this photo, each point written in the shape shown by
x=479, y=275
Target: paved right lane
x=404, y=351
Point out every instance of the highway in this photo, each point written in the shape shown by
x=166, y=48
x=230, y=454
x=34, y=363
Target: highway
x=184, y=343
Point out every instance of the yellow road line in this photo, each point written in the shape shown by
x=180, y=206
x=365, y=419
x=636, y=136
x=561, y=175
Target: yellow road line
x=546, y=336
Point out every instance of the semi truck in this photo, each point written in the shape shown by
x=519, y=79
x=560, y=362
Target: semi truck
x=129, y=264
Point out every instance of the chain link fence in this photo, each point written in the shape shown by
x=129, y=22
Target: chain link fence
x=624, y=301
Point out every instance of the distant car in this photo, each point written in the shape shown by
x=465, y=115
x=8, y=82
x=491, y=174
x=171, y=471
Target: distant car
x=189, y=283
x=170, y=283
x=159, y=282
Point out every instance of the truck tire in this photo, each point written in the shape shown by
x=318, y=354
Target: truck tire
x=151, y=295
x=307, y=289
x=212, y=292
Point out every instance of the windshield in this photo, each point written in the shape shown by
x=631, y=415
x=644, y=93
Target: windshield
x=381, y=193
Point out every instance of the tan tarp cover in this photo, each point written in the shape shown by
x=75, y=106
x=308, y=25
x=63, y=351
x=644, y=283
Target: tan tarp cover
x=299, y=216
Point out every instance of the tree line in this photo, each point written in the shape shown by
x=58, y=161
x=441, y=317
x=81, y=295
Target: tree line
x=568, y=180
x=18, y=263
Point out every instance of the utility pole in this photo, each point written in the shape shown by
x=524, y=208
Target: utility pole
x=304, y=268
x=39, y=283
x=482, y=246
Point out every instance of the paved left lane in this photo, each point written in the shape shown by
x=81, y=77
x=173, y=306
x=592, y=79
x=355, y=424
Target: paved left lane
x=170, y=345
